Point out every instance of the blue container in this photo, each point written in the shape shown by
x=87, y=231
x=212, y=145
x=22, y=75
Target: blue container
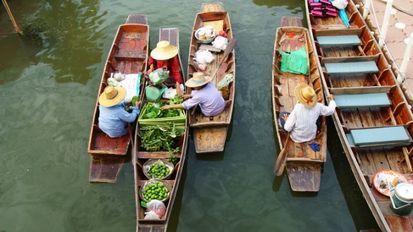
x=402, y=199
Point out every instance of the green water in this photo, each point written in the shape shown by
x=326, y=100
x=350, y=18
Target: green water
x=48, y=85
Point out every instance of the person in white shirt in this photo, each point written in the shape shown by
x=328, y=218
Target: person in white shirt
x=301, y=123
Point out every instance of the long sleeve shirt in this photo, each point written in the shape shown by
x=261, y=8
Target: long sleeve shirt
x=114, y=120
x=301, y=123
x=172, y=65
x=209, y=100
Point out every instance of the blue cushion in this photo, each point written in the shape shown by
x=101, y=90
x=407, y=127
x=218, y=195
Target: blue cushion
x=340, y=40
x=352, y=67
x=362, y=100
x=394, y=135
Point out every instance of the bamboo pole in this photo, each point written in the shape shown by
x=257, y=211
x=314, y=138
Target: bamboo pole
x=13, y=21
x=385, y=24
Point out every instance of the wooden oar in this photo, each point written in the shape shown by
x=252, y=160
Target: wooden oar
x=281, y=159
x=227, y=51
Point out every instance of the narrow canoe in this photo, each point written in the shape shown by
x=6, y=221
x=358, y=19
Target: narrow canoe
x=139, y=157
x=303, y=165
x=373, y=119
x=210, y=133
x=128, y=55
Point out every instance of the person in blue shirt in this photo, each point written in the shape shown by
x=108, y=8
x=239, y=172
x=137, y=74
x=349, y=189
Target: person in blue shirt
x=113, y=118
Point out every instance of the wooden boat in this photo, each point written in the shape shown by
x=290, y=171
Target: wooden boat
x=210, y=133
x=373, y=119
x=127, y=55
x=139, y=157
x=303, y=165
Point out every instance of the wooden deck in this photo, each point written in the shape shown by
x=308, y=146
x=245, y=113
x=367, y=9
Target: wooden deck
x=400, y=27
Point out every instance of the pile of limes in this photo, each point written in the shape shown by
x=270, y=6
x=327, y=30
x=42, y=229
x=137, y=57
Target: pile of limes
x=155, y=190
x=159, y=170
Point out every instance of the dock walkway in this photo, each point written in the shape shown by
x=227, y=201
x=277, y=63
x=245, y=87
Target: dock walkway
x=399, y=30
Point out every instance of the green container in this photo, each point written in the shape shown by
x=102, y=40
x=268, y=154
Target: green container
x=402, y=199
x=180, y=119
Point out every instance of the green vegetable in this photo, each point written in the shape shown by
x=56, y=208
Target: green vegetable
x=173, y=159
x=153, y=110
x=161, y=138
x=134, y=100
x=143, y=204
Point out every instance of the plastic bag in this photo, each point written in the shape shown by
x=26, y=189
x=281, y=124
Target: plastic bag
x=157, y=207
x=204, y=57
x=295, y=61
x=154, y=94
x=220, y=42
x=158, y=76
x=340, y=4
x=151, y=215
x=228, y=78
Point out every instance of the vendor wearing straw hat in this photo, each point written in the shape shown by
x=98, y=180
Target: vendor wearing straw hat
x=204, y=94
x=165, y=55
x=113, y=118
x=301, y=123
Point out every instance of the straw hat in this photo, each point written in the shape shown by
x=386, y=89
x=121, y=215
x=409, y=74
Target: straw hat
x=164, y=51
x=112, y=96
x=306, y=95
x=198, y=79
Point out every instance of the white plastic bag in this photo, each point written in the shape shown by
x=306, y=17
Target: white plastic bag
x=220, y=42
x=340, y=4
x=157, y=207
x=204, y=57
x=151, y=215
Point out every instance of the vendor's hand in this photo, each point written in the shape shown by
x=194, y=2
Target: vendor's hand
x=178, y=89
x=138, y=103
x=285, y=116
x=165, y=107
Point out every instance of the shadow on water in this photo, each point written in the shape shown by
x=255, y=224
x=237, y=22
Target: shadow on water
x=361, y=214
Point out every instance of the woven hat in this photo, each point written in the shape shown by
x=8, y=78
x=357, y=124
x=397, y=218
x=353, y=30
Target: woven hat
x=306, y=95
x=164, y=51
x=112, y=96
x=198, y=79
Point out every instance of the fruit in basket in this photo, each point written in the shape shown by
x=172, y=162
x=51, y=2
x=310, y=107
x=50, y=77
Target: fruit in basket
x=159, y=170
x=155, y=190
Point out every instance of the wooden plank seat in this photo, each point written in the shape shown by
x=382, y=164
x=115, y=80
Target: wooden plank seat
x=361, y=89
x=379, y=136
x=362, y=100
x=361, y=67
x=130, y=54
x=338, y=41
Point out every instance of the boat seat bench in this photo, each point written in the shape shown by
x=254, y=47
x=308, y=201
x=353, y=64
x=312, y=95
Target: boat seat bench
x=379, y=136
x=338, y=41
x=362, y=100
x=362, y=67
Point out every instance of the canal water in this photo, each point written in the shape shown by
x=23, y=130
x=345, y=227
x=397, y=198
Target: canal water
x=48, y=86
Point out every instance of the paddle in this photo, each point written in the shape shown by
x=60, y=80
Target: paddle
x=281, y=159
x=227, y=51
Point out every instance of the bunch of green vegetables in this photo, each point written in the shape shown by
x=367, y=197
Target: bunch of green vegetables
x=153, y=109
x=161, y=137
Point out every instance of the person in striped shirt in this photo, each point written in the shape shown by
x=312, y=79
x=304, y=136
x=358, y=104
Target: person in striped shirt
x=301, y=122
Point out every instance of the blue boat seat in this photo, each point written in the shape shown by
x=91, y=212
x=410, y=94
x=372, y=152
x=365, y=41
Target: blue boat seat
x=338, y=41
x=362, y=100
x=362, y=67
x=379, y=136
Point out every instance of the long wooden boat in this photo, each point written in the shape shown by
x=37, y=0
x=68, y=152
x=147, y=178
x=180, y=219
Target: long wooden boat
x=210, y=133
x=373, y=119
x=303, y=165
x=128, y=55
x=139, y=157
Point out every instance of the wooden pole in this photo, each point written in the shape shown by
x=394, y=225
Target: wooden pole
x=366, y=8
x=13, y=21
x=385, y=24
x=406, y=59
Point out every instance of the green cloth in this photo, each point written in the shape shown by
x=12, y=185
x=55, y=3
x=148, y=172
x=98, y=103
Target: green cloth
x=295, y=61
